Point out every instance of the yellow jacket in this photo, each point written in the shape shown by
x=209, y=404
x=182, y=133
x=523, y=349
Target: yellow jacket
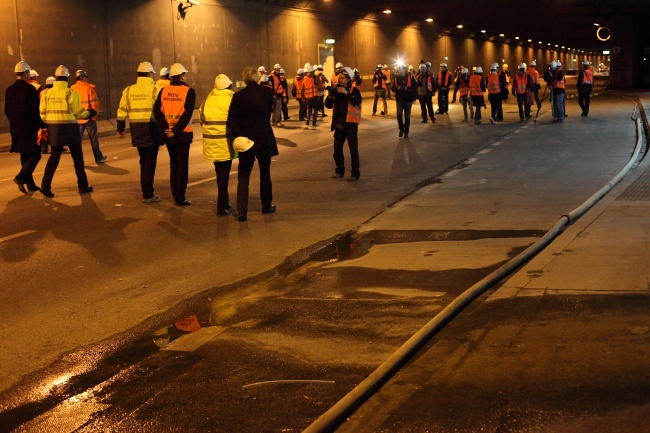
x=213, y=115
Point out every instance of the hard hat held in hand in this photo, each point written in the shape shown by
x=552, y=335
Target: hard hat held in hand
x=242, y=144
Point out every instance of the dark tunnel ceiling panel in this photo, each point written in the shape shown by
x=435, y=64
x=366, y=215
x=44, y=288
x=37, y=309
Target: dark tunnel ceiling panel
x=563, y=22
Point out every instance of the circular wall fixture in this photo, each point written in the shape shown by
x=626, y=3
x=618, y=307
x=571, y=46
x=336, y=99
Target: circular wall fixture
x=603, y=33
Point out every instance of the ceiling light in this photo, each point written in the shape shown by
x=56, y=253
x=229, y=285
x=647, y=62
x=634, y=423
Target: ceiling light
x=387, y=11
x=429, y=20
x=530, y=40
x=460, y=26
x=483, y=31
x=540, y=42
x=501, y=34
x=597, y=25
x=517, y=37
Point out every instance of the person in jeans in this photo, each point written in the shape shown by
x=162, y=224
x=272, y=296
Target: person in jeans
x=405, y=89
x=89, y=100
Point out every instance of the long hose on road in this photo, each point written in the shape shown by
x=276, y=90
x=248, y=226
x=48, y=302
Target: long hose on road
x=331, y=419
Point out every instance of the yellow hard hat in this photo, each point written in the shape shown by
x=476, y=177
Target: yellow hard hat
x=242, y=144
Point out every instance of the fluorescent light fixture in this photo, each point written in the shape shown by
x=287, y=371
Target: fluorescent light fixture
x=517, y=37
x=530, y=40
x=387, y=11
x=483, y=31
x=501, y=34
x=597, y=25
x=460, y=26
x=429, y=20
x=606, y=52
x=329, y=41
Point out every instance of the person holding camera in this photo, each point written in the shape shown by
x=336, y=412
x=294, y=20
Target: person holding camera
x=345, y=99
x=405, y=89
x=379, y=83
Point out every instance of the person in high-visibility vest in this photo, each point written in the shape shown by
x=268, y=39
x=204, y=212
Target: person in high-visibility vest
x=477, y=90
x=380, y=84
x=173, y=111
x=297, y=93
x=533, y=72
x=426, y=90
x=443, y=82
x=21, y=109
x=558, y=83
x=60, y=108
x=522, y=87
x=90, y=101
x=137, y=103
x=217, y=144
x=164, y=80
x=585, y=87
x=494, y=92
x=345, y=99
x=465, y=99
x=388, y=73
x=309, y=93
x=279, y=86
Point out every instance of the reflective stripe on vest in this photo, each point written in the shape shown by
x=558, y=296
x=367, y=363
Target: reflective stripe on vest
x=475, y=85
x=522, y=82
x=493, y=84
x=60, y=105
x=587, y=77
x=137, y=101
x=447, y=79
x=173, y=105
x=354, y=113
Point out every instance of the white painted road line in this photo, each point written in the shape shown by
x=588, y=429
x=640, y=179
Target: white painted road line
x=17, y=235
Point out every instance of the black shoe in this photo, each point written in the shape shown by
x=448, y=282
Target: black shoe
x=223, y=212
x=33, y=188
x=242, y=217
x=401, y=134
x=21, y=185
x=287, y=118
x=183, y=203
x=406, y=135
x=228, y=206
x=47, y=193
x=86, y=190
x=307, y=125
x=314, y=124
x=433, y=120
x=382, y=113
x=337, y=176
x=424, y=121
x=353, y=178
x=102, y=160
x=269, y=209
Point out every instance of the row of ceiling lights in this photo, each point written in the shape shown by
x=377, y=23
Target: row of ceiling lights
x=460, y=26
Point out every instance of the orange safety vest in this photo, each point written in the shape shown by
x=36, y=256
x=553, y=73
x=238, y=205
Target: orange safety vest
x=88, y=97
x=309, y=88
x=172, y=100
x=475, y=85
x=522, y=83
x=298, y=85
x=427, y=80
x=335, y=79
x=587, y=77
x=380, y=86
x=493, y=84
x=354, y=113
x=278, y=89
x=447, y=79
x=559, y=84
x=533, y=73
x=464, y=88
x=387, y=73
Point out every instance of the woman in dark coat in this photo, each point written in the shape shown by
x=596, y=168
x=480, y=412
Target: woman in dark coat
x=248, y=116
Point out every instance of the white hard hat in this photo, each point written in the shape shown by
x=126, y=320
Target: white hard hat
x=177, y=69
x=50, y=80
x=385, y=66
x=62, y=71
x=465, y=71
x=242, y=144
x=586, y=63
x=349, y=72
x=319, y=67
x=553, y=64
x=494, y=66
x=479, y=70
x=80, y=73
x=309, y=68
x=533, y=63
x=21, y=67
x=146, y=67
x=33, y=73
x=300, y=71
x=559, y=63
x=411, y=68
x=264, y=78
x=164, y=72
x=443, y=65
x=428, y=64
x=261, y=70
x=379, y=66
x=339, y=65
x=277, y=66
x=222, y=82
x=522, y=66
x=422, y=66
x=281, y=71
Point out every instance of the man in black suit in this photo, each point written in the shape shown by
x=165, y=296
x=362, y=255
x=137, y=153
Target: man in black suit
x=248, y=116
x=21, y=108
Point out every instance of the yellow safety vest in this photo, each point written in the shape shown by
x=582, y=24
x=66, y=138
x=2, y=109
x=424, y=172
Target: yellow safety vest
x=213, y=114
x=137, y=101
x=61, y=105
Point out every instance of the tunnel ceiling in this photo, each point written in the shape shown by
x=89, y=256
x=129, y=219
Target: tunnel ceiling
x=568, y=23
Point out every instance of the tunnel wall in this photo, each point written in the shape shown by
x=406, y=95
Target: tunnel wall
x=109, y=38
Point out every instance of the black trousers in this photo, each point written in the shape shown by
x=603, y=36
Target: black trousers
x=179, y=155
x=404, y=115
x=350, y=133
x=495, y=105
x=28, y=163
x=246, y=161
x=222, y=169
x=524, y=108
x=148, y=160
x=53, y=162
x=426, y=105
x=443, y=101
x=583, y=100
